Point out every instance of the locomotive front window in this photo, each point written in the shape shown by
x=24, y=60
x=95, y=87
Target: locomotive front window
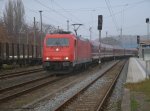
x=57, y=42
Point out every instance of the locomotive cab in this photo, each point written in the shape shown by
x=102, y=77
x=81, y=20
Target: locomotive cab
x=58, y=51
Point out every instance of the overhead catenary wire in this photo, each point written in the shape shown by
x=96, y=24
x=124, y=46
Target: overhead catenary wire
x=77, y=19
x=45, y=16
x=51, y=9
x=73, y=19
x=112, y=15
x=66, y=11
x=60, y=14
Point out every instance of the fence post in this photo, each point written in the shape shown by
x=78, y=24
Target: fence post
x=12, y=51
x=23, y=51
x=7, y=51
x=18, y=53
x=32, y=51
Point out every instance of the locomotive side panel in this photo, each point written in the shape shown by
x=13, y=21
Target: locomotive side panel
x=84, y=51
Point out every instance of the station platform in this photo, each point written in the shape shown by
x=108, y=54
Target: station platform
x=136, y=73
x=136, y=70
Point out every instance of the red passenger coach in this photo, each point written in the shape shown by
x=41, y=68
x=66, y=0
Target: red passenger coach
x=65, y=52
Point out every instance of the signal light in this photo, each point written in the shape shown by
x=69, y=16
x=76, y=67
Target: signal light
x=100, y=22
x=147, y=20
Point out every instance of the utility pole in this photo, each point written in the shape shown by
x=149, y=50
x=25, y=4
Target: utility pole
x=121, y=37
x=90, y=29
x=41, y=29
x=27, y=36
x=68, y=25
x=76, y=28
x=99, y=46
x=34, y=38
x=106, y=37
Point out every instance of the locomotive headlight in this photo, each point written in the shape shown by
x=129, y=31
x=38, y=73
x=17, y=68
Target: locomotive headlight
x=47, y=58
x=66, y=58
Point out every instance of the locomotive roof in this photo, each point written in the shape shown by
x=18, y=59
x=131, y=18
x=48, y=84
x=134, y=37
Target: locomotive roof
x=57, y=34
x=68, y=34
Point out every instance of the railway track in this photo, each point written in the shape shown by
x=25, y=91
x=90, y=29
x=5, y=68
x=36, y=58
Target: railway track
x=26, y=87
x=12, y=92
x=20, y=73
x=88, y=100
x=11, y=96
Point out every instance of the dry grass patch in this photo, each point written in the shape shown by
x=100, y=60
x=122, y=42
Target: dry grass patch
x=143, y=87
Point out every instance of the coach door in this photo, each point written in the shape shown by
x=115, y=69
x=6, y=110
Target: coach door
x=75, y=48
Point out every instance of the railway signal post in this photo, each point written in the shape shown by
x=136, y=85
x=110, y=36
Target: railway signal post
x=100, y=22
x=147, y=52
x=147, y=21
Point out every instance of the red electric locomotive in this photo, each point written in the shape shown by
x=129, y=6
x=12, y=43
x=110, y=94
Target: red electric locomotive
x=65, y=52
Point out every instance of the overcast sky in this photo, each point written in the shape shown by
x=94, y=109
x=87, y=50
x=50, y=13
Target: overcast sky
x=128, y=14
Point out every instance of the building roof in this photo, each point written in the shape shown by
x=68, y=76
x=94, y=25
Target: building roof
x=145, y=42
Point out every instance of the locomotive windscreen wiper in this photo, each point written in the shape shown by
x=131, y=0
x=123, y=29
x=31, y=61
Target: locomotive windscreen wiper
x=58, y=43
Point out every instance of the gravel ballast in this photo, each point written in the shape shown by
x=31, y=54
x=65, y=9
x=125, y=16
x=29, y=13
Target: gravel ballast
x=114, y=103
x=61, y=97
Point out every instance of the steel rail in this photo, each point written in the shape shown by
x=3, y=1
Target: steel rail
x=21, y=73
x=109, y=90
x=22, y=84
x=83, y=89
x=27, y=90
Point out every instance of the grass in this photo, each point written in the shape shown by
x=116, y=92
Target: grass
x=148, y=100
x=7, y=67
x=143, y=87
x=134, y=104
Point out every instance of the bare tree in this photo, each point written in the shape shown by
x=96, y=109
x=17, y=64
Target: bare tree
x=1, y=22
x=14, y=16
x=18, y=16
x=46, y=28
x=49, y=28
x=9, y=17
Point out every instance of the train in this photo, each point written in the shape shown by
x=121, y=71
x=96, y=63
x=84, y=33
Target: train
x=21, y=54
x=66, y=52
